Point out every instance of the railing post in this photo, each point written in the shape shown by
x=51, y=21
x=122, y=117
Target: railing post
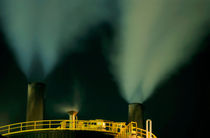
x=34, y=124
x=50, y=124
x=141, y=132
x=21, y=127
x=8, y=129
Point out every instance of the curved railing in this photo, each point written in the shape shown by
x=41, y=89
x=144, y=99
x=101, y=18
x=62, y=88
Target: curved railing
x=120, y=129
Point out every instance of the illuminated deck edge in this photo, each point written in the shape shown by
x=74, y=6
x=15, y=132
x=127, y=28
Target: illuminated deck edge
x=120, y=129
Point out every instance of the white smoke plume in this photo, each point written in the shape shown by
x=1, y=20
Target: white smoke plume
x=46, y=29
x=155, y=37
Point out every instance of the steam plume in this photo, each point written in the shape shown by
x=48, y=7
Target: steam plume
x=74, y=97
x=156, y=37
x=47, y=28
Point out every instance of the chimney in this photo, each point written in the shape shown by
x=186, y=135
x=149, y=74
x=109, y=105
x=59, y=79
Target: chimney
x=135, y=114
x=35, y=101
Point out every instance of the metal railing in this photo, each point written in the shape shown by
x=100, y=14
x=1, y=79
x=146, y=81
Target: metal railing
x=120, y=129
x=132, y=129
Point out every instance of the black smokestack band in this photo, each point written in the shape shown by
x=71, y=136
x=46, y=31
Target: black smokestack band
x=35, y=101
x=135, y=114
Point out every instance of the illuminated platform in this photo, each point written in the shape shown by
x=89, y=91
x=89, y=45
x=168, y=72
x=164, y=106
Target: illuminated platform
x=76, y=129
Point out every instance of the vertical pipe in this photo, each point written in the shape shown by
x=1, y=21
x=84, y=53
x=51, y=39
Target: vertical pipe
x=149, y=128
x=35, y=101
x=72, y=117
x=135, y=114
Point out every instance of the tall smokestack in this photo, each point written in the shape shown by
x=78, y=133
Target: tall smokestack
x=135, y=114
x=35, y=101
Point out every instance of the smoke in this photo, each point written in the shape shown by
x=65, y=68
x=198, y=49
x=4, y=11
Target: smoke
x=155, y=37
x=74, y=100
x=46, y=30
x=65, y=107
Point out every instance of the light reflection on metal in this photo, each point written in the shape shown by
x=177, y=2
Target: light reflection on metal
x=119, y=129
x=149, y=128
x=72, y=116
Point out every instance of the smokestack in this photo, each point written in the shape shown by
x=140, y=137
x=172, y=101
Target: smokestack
x=135, y=114
x=35, y=101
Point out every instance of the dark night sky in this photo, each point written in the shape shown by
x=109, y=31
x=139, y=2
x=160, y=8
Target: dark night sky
x=178, y=107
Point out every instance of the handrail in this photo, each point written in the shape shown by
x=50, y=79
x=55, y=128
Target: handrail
x=118, y=128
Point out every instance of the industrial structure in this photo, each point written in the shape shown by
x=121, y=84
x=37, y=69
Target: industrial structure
x=36, y=127
x=35, y=101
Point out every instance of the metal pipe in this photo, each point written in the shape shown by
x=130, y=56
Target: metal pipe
x=35, y=101
x=135, y=114
x=149, y=128
x=72, y=117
